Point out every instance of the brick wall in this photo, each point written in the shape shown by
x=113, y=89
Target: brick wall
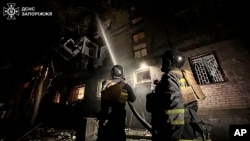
x=227, y=103
x=235, y=92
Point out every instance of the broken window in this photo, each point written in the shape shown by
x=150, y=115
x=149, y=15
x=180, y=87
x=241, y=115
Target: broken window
x=77, y=93
x=206, y=69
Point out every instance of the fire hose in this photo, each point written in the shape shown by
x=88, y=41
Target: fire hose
x=141, y=120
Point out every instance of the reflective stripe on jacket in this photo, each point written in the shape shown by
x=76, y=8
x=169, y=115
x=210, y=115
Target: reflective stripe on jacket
x=170, y=99
x=176, y=116
x=183, y=83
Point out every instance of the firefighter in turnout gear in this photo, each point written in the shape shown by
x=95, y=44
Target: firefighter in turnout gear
x=194, y=128
x=181, y=95
x=112, y=117
x=165, y=104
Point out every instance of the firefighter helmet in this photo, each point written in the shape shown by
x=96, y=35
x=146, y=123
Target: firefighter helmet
x=172, y=59
x=117, y=71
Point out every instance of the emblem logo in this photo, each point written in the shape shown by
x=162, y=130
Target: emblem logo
x=11, y=11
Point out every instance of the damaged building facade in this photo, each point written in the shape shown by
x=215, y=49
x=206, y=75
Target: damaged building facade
x=213, y=35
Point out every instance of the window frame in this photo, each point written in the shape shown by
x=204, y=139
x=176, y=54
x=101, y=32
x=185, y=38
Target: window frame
x=219, y=67
x=99, y=89
x=142, y=81
x=139, y=45
x=57, y=97
x=74, y=93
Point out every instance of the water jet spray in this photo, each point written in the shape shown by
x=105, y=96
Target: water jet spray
x=106, y=40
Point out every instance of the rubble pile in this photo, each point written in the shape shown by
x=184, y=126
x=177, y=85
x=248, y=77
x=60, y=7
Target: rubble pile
x=51, y=134
x=138, y=135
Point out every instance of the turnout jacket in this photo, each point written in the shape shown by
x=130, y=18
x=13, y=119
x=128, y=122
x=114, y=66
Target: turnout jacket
x=165, y=104
x=112, y=109
x=112, y=116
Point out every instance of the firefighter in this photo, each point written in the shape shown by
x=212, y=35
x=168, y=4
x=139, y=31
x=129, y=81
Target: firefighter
x=194, y=128
x=112, y=117
x=177, y=84
x=165, y=104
